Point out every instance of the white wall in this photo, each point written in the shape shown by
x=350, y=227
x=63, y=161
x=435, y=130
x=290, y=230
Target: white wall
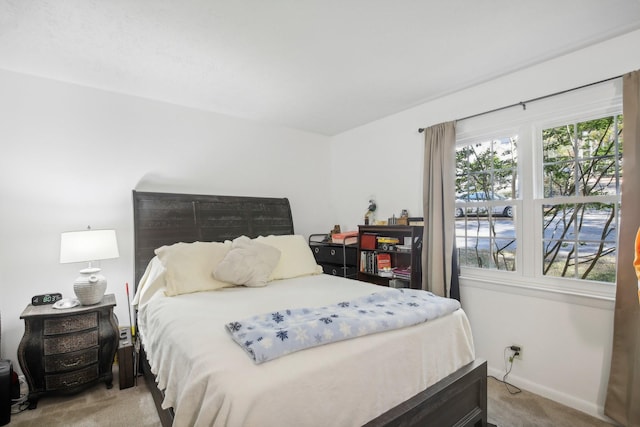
x=70, y=157
x=566, y=340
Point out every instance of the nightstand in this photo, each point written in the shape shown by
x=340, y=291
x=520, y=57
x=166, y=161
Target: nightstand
x=68, y=350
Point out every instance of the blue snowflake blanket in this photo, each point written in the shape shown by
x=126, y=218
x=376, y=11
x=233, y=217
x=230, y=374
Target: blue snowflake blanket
x=268, y=336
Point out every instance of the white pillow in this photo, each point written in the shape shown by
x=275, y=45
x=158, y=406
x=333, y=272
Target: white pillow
x=188, y=266
x=151, y=282
x=248, y=263
x=296, y=258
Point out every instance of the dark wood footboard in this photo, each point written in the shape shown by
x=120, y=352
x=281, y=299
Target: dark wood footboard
x=458, y=400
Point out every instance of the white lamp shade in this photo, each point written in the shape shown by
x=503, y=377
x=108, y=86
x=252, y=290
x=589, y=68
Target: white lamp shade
x=88, y=245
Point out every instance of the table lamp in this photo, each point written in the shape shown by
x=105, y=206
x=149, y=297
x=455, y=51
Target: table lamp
x=88, y=246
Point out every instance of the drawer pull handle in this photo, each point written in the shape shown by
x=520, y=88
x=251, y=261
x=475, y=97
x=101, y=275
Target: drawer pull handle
x=70, y=383
x=316, y=250
x=72, y=364
x=333, y=252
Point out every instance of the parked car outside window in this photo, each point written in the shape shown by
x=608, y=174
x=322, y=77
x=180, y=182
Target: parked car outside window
x=481, y=196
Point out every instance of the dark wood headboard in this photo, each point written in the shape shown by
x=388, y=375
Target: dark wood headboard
x=166, y=218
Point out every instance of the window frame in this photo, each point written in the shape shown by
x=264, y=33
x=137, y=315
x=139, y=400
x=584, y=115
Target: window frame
x=577, y=106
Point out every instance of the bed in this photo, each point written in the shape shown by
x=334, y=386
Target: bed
x=419, y=375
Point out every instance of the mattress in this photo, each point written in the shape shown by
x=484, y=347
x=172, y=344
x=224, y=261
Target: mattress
x=210, y=381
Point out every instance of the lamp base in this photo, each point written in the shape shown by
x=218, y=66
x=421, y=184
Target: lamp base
x=90, y=286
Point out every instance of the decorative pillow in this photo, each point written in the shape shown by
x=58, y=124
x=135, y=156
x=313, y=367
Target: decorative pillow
x=188, y=266
x=248, y=263
x=296, y=258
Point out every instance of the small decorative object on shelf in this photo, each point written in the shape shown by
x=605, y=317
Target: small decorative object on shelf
x=369, y=216
x=402, y=220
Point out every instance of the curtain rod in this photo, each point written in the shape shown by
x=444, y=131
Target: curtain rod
x=523, y=104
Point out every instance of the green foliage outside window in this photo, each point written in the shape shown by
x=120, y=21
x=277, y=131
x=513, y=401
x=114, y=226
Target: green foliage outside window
x=581, y=176
x=486, y=185
x=581, y=163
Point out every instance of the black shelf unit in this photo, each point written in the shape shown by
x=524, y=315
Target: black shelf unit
x=409, y=255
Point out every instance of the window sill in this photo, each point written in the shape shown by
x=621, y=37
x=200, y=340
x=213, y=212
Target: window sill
x=603, y=300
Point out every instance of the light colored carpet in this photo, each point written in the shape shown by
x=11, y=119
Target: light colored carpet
x=134, y=406
x=96, y=406
x=526, y=409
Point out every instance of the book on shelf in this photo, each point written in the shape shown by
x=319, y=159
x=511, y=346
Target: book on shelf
x=372, y=262
x=384, y=265
x=402, y=273
x=384, y=261
x=415, y=220
x=369, y=263
x=346, y=238
x=366, y=264
x=387, y=240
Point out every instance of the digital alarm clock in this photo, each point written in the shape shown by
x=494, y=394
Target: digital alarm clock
x=45, y=299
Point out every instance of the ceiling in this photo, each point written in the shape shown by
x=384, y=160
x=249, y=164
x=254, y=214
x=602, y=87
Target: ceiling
x=319, y=66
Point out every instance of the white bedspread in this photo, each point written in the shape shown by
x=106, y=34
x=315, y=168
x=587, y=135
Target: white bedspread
x=209, y=381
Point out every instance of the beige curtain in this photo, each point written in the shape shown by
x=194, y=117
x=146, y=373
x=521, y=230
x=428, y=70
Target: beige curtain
x=438, y=203
x=623, y=394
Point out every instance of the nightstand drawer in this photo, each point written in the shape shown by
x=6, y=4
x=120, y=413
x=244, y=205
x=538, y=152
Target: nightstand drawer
x=335, y=254
x=64, y=362
x=68, y=343
x=71, y=379
x=69, y=324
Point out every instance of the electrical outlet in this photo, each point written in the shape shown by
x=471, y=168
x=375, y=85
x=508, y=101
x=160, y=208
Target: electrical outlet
x=517, y=351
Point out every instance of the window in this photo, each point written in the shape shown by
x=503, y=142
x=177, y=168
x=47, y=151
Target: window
x=538, y=199
x=486, y=184
x=581, y=169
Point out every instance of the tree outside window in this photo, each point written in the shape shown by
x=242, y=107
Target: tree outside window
x=580, y=175
x=582, y=172
x=486, y=185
